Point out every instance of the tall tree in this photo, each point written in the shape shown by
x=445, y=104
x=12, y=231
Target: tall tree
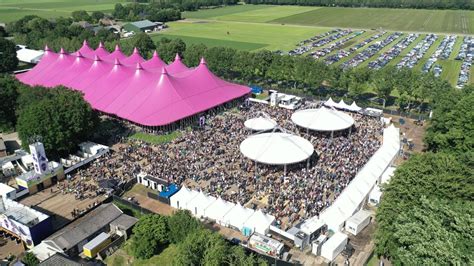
x=150, y=235
x=8, y=59
x=63, y=119
x=9, y=95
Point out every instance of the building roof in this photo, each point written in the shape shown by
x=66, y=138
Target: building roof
x=21, y=213
x=147, y=94
x=85, y=226
x=124, y=222
x=143, y=24
x=59, y=259
x=322, y=119
x=276, y=148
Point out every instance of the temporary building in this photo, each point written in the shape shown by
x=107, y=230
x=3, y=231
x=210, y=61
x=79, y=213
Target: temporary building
x=354, y=195
x=198, y=205
x=342, y=105
x=260, y=124
x=333, y=246
x=182, y=197
x=237, y=216
x=259, y=222
x=149, y=93
x=354, y=107
x=276, y=148
x=358, y=222
x=322, y=119
x=330, y=103
x=218, y=209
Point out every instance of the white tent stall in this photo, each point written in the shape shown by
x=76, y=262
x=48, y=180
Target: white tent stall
x=322, y=119
x=330, y=103
x=333, y=246
x=259, y=222
x=182, y=197
x=260, y=124
x=354, y=107
x=198, y=205
x=342, y=105
x=237, y=216
x=218, y=209
x=358, y=222
x=276, y=148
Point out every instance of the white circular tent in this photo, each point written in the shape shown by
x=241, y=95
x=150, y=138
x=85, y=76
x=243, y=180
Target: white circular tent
x=276, y=148
x=260, y=124
x=322, y=119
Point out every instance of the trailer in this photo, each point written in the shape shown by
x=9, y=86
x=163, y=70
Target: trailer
x=333, y=246
x=358, y=222
x=266, y=245
x=95, y=245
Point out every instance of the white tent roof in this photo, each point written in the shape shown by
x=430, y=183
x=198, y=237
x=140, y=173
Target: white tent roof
x=330, y=103
x=218, y=209
x=260, y=124
x=354, y=107
x=29, y=56
x=276, y=148
x=342, y=105
x=322, y=119
x=184, y=195
x=237, y=216
x=199, y=203
x=355, y=193
x=259, y=222
x=387, y=175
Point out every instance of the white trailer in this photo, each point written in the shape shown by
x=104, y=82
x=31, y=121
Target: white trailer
x=333, y=246
x=358, y=222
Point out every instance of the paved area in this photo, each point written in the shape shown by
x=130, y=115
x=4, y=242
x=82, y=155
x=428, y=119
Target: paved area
x=9, y=247
x=59, y=205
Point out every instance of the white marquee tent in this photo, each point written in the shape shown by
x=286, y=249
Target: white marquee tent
x=218, y=209
x=322, y=119
x=180, y=199
x=260, y=124
x=276, y=148
x=342, y=105
x=354, y=107
x=354, y=195
x=237, y=216
x=259, y=222
x=198, y=205
x=330, y=103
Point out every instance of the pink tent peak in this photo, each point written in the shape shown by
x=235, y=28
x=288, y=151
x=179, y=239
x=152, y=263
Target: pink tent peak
x=85, y=49
x=135, y=91
x=117, y=47
x=46, y=48
x=62, y=51
x=101, y=45
x=134, y=58
x=203, y=61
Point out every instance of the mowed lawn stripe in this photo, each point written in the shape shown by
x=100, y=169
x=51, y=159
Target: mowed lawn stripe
x=393, y=19
x=265, y=14
x=274, y=36
x=218, y=12
x=246, y=46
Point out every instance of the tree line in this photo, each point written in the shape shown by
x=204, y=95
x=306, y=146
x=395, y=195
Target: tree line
x=419, y=4
x=195, y=244
x=427, y=209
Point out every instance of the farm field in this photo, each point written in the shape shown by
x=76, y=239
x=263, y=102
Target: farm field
x=248, y=36
x=443, y=21
x=11, y=10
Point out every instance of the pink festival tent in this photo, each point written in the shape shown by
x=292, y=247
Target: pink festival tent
x=149, y=93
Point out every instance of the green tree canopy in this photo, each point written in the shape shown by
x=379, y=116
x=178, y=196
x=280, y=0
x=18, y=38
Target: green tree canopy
x=180, y=224
x=9, y=95
x=150, y=235
x=8, y=59
x=61, y=117
x=81, y=15
x=30, y=259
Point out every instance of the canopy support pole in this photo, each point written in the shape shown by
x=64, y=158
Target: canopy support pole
x=350, y=131
x=284, y=168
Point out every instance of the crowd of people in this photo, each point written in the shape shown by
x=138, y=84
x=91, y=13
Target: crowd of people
x=208, y=158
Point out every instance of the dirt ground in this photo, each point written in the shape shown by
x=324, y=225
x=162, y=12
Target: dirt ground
x=59, y=205
x=10, y=247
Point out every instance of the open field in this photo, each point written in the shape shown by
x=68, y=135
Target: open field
x=248, y=35
x=447, y=21
x=11, y=10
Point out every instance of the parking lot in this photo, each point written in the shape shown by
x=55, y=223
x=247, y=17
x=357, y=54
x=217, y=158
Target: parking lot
x=446, y=56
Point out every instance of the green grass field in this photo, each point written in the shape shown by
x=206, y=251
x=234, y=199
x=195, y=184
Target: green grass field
x=450, y=21
x=11, y=10
x=155, y=139
x=244, y=35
